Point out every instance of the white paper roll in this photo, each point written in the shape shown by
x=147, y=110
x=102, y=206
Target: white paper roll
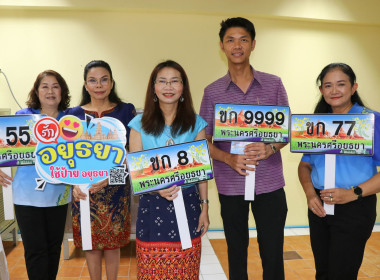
x=183, y=224
x=85, y=221
x=330, y=166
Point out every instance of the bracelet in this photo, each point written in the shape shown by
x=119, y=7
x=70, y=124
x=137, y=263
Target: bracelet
x=204, y=201
x=273, y=147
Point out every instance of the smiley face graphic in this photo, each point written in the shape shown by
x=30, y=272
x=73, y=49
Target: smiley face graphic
x=70, y=128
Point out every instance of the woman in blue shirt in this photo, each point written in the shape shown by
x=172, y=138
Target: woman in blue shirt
x=168, y=119
x=338, y=241
x=41, y=215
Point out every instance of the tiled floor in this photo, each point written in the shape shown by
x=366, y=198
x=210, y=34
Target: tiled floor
x=214, y=259
x=76, y=268
x=297, y=242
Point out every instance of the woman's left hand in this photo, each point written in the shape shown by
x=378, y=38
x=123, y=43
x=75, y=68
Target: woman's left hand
x=78, y=194
x=169, y=193
x=204, y=221
x=338, y=196
x=98, y=186
x=5, y=180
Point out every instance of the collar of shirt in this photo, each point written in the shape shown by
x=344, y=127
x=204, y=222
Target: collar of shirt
x=227, y=78
x=356, y=109
x=38, y=111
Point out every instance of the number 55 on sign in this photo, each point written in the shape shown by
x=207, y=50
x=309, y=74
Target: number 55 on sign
x=17, y=141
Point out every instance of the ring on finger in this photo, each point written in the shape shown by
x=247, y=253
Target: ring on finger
x=331, y=199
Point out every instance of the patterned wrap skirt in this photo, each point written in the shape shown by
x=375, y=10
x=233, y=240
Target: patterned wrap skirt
x=158, y=248
x=110, y=218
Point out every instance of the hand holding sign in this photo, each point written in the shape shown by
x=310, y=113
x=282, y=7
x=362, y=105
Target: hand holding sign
x=78, y=194
x=160, y=168
x=258, y=124
x=5, y=177
x=17, y=145
x=339, y=195
x=169, y=193
x=167, y=168
x=98, y=186
x=249, y=165
x=241, y=162
x=331, y=134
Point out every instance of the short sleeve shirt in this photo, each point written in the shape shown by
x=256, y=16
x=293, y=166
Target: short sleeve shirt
x=350, y=170
x=265, y=89
x=24, y=183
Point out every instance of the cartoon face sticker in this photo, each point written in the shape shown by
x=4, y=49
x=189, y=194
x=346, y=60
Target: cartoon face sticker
x=70, y=128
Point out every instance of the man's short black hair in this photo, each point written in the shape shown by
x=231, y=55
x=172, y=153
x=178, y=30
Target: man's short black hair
x=237, y=22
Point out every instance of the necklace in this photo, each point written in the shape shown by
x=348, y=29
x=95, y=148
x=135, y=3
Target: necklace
x=53, y=114
x=167, y=131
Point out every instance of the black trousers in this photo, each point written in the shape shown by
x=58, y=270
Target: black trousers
x=42, y=230
x=338, y=241
x=269, y=211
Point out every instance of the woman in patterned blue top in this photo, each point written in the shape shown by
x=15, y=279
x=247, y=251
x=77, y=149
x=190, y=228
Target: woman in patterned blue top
x=169, y=118
x=338, y=241
x=109, y=205
x=41, y=215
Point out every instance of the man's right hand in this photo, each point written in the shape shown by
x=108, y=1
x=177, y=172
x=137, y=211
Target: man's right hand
x=240, y=163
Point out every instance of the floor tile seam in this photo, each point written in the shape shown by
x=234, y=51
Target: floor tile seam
x=212, y=253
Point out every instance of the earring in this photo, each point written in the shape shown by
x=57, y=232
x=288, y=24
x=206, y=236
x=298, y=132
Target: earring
x=181, y=99
x=155, y=99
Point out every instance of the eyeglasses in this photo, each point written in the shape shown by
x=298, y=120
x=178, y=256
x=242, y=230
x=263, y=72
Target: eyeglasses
x=173, y=83
x=103, y=81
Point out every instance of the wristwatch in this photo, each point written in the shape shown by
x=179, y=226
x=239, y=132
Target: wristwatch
x=358, y=191
x=273, y=147
x=204, y=201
